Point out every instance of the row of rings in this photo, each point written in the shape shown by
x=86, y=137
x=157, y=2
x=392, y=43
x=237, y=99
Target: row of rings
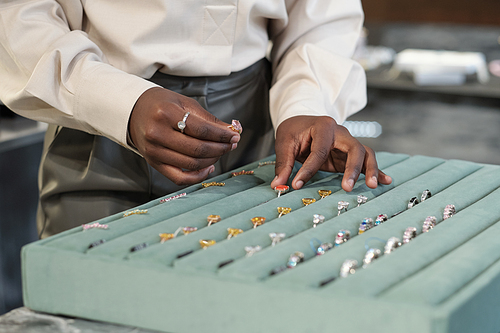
x=426, y=194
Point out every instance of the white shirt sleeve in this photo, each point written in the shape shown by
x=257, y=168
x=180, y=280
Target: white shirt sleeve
x=64, y=74
x=314, y=73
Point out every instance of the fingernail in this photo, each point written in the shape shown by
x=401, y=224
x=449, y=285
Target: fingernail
x=299, y=184
x=374, y=179
x=350, y=183
x=235, y=139
x=234, y=146
x=212, y=169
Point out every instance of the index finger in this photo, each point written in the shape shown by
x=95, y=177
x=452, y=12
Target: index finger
x=320, y=150
x=285, y=160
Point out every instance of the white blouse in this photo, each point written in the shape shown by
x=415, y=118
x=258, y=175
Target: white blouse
x=83, y=63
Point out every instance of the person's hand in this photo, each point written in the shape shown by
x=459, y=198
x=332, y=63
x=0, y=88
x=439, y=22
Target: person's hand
x=321, y=144
x=184, y=158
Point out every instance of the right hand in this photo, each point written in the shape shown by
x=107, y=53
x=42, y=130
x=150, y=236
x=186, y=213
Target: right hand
x=184, y=158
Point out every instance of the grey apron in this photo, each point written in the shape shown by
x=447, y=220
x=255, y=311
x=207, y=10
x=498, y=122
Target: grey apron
x=84, y=177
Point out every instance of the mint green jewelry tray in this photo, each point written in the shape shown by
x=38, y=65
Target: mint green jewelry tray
x=445, y=280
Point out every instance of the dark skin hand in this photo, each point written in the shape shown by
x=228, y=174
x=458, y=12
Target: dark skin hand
x=184, y=158
x=321, y=144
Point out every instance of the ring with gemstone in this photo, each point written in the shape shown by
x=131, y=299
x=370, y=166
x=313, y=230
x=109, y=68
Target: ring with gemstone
x=317, y=219
x=233, y=232
x=342, y=236
x=295, y=259
x=324, y=193
x=236, y=126
x=381, y=219
x=409, y=234
x=281, y=189
x=283, y=211
x=413, y=202
x=348, y=267
x=165, y=237
x=308, y=201
x=371, y=255
x=365, y=225
x=392, y=244
x=322, y=248
x=212, y=219
x=188, y=230
x=204, y=243
x=429, y=223
x=361, y=199
x=258, y=220
x=181, y=125
x=425, y=195
x=276, y=237
x=449, y=211
x=251, y=250
x=342, y=205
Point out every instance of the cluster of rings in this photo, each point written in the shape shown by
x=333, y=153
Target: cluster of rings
x=426, y=194
x=349, y=266
x=368, y=223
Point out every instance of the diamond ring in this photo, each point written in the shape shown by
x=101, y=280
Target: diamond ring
x=181, y=125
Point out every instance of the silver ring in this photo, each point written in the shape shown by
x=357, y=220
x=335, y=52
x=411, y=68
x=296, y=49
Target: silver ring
x=276, y=237
x=181, y=125
x=251, y=250
x=392, y=244
x=317, y=219
x=381, y=219
x=429, y=223
x=342, y=236
x=322, y=248
x=367, y=224
x=449, y=211
x=295, y=259
x=371, y=255
x=413, y=202
x=409, y=234
x=425, y=195
x=348, y=267
x=361, y=199
x=342, y=205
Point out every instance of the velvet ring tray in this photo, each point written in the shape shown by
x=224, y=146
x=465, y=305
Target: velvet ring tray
x=444, y=280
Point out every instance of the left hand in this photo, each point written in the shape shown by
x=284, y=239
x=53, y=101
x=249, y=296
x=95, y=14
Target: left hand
x=321, y=144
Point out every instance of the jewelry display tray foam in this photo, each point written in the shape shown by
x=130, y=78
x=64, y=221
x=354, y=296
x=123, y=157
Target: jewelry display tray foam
x=445, y=280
